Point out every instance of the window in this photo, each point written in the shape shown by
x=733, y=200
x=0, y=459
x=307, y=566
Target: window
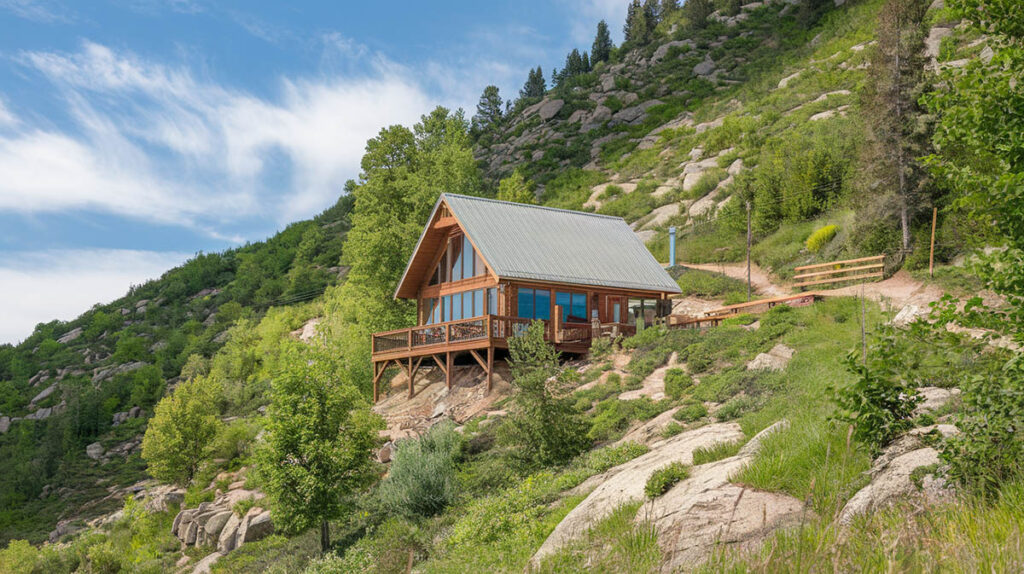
x=467, y=305
x=573, y=305
x=455, y=256
x=526, y=303
x=534, y=303
x=478, y=302
x=430, y=310
x=478, y=265
x=468, y=256
x=456, y=306
x=446, y=307
x=492, y=301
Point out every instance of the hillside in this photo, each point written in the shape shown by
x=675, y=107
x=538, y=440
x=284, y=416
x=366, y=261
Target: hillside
x=872, y=430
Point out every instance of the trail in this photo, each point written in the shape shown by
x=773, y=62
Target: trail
x=900, y=290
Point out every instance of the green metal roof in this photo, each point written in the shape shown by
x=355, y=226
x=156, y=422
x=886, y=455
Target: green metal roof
x=531, y=242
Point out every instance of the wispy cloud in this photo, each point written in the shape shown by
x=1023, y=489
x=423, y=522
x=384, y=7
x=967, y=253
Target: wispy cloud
x=6, y=116
x=46, y=11
x=153, y=141
x=34, y=284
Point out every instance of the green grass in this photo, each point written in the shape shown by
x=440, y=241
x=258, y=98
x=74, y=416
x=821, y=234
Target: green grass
x=700, y=283
x=963, y=537
x=614, y=544
x=716, y=452
x=664, y=478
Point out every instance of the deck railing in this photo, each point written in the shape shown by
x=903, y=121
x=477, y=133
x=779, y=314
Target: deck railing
x=476, y=329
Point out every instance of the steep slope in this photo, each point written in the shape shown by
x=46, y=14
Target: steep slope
x=75, y=396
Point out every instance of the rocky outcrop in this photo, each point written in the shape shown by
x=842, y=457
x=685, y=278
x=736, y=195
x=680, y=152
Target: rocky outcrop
x=70, y=336
x=132, y=413
x=625, y=483
x=934, y=398
x=774, y=360
x=893, y=477
x=44, y=394
x=5, y=424
x=95, y=451
x=707, y=511
x=216, y=523
x=104, y=374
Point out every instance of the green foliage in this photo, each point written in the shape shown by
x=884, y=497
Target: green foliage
x=880, y=403
x=421, y=481
x=547, y=428
x=716, y=452
x=664, y=478
x=242, y=507
x=690, y=411
x=184, y=424
x=820, y=237
x=517, y=189
x=319, y=440
x=615, y=544
x=677, y=382
x=735, y=407
x=700, y=283
x=613, y=416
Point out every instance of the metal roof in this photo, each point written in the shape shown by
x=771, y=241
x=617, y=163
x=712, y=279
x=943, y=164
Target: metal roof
x=531, y=242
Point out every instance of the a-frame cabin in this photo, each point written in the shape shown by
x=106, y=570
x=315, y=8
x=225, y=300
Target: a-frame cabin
x=484, y=269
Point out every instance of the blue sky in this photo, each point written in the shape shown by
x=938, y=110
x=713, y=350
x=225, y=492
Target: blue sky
x=134, y=133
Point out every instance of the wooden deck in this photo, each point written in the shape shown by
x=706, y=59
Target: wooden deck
x=479, y=337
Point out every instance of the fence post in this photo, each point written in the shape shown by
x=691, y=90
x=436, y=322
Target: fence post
x=931, y=254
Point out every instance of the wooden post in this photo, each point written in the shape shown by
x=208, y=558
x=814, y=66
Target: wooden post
x=448, y=370
x=490, y=366
x=556, y=336
x=410, y=376
x=748, y=250
x=931, y=254
x=376, y=378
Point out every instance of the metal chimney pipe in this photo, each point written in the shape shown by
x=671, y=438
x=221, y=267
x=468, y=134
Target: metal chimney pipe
x=672, y=246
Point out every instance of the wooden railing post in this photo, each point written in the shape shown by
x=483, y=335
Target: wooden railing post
x=408, y=340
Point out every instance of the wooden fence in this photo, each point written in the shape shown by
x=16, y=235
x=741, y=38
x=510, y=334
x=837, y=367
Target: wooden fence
x=839, y=271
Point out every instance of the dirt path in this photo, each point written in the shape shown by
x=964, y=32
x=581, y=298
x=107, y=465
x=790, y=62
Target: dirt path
x=900, y=290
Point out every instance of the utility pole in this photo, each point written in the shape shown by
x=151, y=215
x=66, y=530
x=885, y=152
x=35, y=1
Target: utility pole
x=931, y=254
x=748, y=250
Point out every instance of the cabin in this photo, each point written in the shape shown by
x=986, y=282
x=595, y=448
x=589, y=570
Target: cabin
x=484, y=269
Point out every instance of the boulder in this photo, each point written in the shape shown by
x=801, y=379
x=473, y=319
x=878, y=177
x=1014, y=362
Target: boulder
x=104, y=374
x=216, y=523
x=63, y=528
x=550, y=109
x=257, y=526
x=578, y=116
x=161, y=498
x=44, y=394
x=774, y=360
x=228, y=534
x=607, y=82
x=934, y=398
x=705, y=68
x=70, y=336
x=94, y=451
x=204, y=565
x=891, y=479
x=785, y=81
x=663, y=49
x=190, y=533
x=385, y=452
x=625, y=483
x=5, y=424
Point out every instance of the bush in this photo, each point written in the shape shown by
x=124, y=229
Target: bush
x=819, y=238
x=690, y=412
x=671, y=429
x=665, y=478
x=676, y=382
x=735, y=407
x=422, y=480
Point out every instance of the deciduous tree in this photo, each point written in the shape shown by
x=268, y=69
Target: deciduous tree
x=179, y=435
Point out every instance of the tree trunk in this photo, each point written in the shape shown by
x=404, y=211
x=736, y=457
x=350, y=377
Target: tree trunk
x=325, y=536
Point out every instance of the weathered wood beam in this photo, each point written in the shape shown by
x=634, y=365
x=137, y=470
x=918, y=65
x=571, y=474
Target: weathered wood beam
x=490, y=367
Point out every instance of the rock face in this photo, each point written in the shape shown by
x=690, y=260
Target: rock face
x=105, y=374
x=891, y=477
x=706, y=511
x=550, y=109
x=70, y=336
x=5, y=424
x=934, y=398
x=626, y=482
x=216, y=524
x=94, y=451
x=774, y=360
x=132, y=413
x=44, y=394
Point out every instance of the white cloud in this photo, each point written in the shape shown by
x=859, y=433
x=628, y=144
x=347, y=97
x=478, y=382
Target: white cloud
x=35, y=286
x=6, y=117
x=46, y=11
x=154, y=142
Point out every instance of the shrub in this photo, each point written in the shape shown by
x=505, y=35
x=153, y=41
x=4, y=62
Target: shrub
x=735, y=407
x=671, y=429
x=690, y=412
x=716, y=452
x=242, y=507
x=601, y=347
x=676, y=382
x=422, y=480
x=665, y=478
x=819, y=238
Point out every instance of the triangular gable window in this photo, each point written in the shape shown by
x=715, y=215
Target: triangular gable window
x=458, y=261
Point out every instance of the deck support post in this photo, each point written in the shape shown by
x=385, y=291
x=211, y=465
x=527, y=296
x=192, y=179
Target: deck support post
x=490, y=366
x=448, y=369
x=409, y=371
x=377, y=374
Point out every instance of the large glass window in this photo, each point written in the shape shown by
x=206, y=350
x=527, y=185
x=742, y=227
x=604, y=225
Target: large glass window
x=467, y=258
x=492, y=301
x=455, y=256
x=525, y=303
x=446, y=303
x=457, y=306
x=467, y=305
x=478, y=302
x=573, y=305
x=534, y=303
x=430, y=310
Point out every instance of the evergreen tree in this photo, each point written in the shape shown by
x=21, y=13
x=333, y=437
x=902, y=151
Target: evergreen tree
x=535, y=85
x=488, y=110
x=697, y=12
x=668, y=7
x=602, y=48
x=586, y=67
x=894, y=88
x=636, y=29
x=652, y=15
x=320, y=437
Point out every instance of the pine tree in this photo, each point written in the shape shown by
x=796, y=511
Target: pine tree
x=602, y=48
x=668, y=7
x=652, y=15
x=535, y=85
x=586, y=63
x=488, y=110
x=697, y=12
x=894, y=88
x=635, y=30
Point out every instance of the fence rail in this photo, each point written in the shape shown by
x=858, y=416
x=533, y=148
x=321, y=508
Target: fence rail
x=840, y=271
